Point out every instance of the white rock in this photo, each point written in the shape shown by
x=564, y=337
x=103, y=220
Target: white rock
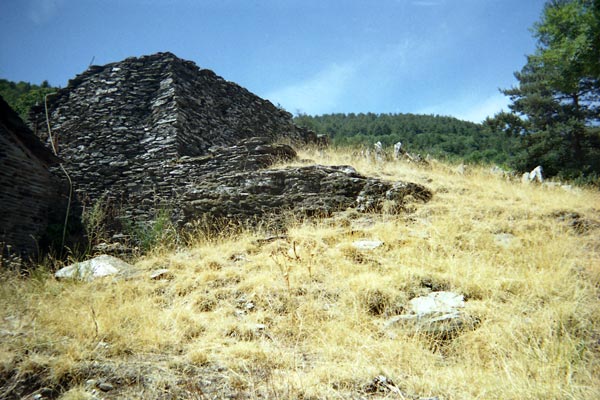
x=397, y=150
x=551, y=184
x=97, y=267
x=437, y=303
x=161, y=273
x=437, y=314
x=418, y=234
x=568, y=188
x=367, y=244
x=347, y=169
x=537, y=174
x=565, y=187
x=105, y=386
x=505, y=240
x=378, y=151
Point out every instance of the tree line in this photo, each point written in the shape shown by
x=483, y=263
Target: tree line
x=440, y=136
x=21, y=96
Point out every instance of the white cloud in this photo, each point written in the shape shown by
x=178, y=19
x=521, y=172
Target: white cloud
x=357, y=85
x=478, y=111
x=318, y=94
x=427, y=3
x=41, y=11
x=470, y=108
x=388, y=79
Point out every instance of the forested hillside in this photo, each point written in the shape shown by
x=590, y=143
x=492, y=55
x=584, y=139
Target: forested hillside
x=440, y=136
x=22, y=96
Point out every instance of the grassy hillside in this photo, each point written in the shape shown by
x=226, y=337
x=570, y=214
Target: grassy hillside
x=304, y=316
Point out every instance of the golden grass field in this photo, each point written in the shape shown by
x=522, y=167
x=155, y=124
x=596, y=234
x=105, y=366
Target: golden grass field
x=302, y=317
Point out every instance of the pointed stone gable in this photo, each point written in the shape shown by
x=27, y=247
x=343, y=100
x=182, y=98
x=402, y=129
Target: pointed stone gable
x=158, y=133
x=120, y=126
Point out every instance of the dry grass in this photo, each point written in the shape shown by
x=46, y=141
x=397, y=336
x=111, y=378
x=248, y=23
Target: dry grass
x=303, y=317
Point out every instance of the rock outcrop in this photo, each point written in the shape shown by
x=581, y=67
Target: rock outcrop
x=439, y=315
x=157, y=132
x=310, y=190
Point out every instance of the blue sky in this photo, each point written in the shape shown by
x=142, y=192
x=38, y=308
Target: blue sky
x=446, y=57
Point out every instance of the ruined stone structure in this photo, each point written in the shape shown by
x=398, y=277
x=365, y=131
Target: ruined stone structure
x=119, y=126
x=28, y=194
x=158, y=132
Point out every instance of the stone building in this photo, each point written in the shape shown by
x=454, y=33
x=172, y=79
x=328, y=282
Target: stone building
x=28, y=191
x=157, y=132
x=122, y=127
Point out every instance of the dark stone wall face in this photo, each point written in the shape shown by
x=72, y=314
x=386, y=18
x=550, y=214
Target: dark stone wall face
x=121, y=128
x=115, y=127
x=27, y=196
x=213, y=111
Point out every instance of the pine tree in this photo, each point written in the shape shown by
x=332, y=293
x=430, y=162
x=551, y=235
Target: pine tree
x=558, y=96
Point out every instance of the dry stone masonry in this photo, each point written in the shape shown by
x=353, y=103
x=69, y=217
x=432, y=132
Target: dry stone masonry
x=119, y=127
x=29, y=199
x=157, y=132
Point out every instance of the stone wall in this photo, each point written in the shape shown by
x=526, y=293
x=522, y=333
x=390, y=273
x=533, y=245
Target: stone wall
x=122, y=127
x=28, y=195
x=157, y=132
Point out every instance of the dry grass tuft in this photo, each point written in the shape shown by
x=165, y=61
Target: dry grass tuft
x=304, y=315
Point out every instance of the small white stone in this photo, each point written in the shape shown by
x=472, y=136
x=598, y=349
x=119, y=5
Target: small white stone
x=505, y=240
x=162, y=273
x=105, y=386
x=260, y=327
x=367, y=244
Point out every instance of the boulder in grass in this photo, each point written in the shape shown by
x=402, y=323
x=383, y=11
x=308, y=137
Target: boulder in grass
x=436, y=303
x=535, y=175
x=438, y=314
x=98, y=267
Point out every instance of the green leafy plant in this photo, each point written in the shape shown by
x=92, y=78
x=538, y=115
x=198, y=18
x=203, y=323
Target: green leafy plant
x=160, y=232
